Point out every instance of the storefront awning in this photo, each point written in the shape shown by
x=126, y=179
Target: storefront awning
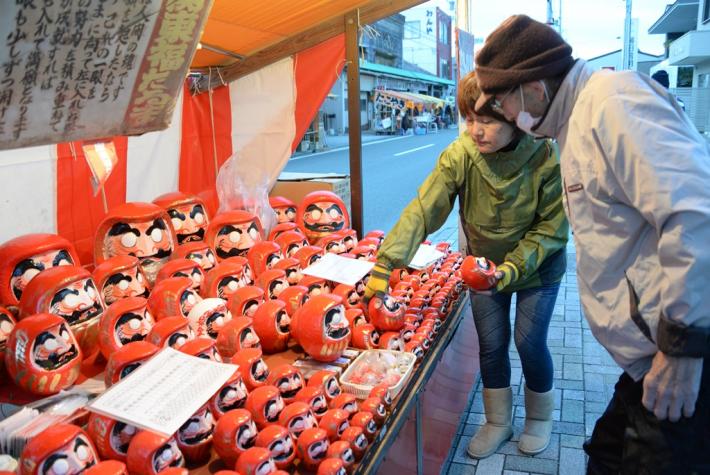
x=242, y=36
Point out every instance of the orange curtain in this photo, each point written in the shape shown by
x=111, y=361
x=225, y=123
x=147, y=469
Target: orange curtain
x=79, y=212
x=317, y=69
x=197, y=149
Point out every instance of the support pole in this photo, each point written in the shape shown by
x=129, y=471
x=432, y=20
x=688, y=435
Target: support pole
x=352, y=58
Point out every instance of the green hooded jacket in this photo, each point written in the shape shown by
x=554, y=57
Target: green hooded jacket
x=510, y=205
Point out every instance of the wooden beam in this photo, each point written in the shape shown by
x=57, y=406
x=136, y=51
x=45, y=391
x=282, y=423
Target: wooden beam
x=352, y=58
x=369, y=13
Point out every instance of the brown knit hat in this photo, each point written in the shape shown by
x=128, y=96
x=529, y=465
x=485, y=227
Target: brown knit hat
x=521, y=50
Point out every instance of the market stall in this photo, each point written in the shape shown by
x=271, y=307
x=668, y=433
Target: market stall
x=196, y=183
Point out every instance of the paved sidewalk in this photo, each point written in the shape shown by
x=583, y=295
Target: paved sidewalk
x=584, y=382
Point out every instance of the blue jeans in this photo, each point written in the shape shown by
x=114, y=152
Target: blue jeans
x=533, y=312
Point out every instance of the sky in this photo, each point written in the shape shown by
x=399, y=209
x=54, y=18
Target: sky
x=590, y=26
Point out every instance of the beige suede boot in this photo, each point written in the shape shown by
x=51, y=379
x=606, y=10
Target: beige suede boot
x=538, y=421
x=498, y=404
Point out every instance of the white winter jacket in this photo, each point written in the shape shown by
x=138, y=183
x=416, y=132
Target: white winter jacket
x=637, y=193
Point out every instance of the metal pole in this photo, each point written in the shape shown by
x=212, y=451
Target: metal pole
x=420, y=443
x=353, y=64
x=626, y=53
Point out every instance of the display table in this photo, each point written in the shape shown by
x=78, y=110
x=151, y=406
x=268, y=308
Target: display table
x=421, y=426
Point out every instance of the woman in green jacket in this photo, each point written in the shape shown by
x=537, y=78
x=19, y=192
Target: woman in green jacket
x=510, y=203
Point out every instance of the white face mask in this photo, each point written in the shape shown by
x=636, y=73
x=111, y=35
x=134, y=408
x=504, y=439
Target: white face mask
x=525, y=121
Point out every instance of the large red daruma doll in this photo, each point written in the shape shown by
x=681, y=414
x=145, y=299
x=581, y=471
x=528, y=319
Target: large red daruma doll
x=321, y=328
x=69, y=292
x=59, y=449
x=120, y=277
x=321, y=213
x=138, y=229
x=23, y=257
x=233, y=233
x=42, y=356
x=188, y=215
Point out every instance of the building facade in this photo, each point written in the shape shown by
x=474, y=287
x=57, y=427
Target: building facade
x=613, y=61
x=686, y=25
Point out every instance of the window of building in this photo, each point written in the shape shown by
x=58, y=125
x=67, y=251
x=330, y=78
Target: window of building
x=444, y=69
x=704, y=80
x=706, y=11
x=412, y=30
x=685, y=76
x=443, y=32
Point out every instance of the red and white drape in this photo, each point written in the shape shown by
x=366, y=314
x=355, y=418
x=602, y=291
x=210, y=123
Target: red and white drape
x=262, y=115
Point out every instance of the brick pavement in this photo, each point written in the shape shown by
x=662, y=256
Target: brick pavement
x=584, y=382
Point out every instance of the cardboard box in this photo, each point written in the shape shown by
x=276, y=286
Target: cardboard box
x=295, y=186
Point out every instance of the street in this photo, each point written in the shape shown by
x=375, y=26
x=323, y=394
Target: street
x=392, y=169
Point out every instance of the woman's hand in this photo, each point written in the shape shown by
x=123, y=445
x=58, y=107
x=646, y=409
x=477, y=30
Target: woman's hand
x=378, y=282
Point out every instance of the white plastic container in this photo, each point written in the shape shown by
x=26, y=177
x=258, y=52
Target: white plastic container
x=362, y=391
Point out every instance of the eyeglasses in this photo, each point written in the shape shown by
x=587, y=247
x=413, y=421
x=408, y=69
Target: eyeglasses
x=497, y=104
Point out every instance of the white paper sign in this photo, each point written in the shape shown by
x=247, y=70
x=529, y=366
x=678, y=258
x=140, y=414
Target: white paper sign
x=164, y=392
x=425, y=256
x=343, y=270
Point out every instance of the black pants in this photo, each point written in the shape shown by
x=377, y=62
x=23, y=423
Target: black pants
x=628, y=439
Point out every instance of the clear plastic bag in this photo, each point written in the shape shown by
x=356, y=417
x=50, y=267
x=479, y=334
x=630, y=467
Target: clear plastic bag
x=244, y=185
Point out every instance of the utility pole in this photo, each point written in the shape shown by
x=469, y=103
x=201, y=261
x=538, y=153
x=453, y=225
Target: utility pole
x=629, y=51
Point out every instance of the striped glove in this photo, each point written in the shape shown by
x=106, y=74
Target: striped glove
x=378, y=281
x=506, y=273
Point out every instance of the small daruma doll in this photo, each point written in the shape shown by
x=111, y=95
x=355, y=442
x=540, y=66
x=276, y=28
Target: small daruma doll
x=123, y=322
x=285, y=209
x=7, y=323
x=170, y=331
x=150, y=454
x=232, y=395
x=478, y=273
x=234, y=434
x=22, y=258
x=199, y=252
x=173, y=297
x=233, y=233
x=137, y=229
x=224, y=280
x=188, y=215
x=194, y=437
x=120, y=277
x=320, y=327
x=208, y=317
x=183, y=268
x=59, y=449
x=42, y=356
x=110, y=436
x=272, y=324
x=69, y=292
x=127, y=359
x=321, y=213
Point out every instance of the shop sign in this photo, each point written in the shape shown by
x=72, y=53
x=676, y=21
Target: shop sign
x=85, y=69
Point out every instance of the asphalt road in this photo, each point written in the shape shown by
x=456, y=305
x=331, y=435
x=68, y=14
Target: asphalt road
x=392, y=171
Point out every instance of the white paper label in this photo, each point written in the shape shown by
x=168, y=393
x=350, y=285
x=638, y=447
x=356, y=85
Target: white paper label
x=343, y=270
x=425, y=256
x=163, y=392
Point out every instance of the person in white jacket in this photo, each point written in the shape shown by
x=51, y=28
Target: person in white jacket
x=636, y=186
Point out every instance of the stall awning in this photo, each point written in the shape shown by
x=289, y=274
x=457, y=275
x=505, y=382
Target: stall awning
x=242, y=36
x=403, y=73
x=409, y=99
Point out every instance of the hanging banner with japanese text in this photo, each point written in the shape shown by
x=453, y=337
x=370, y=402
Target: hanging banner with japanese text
x=85, y=69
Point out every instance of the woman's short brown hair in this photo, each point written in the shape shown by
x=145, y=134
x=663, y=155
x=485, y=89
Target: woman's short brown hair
x=466, y=98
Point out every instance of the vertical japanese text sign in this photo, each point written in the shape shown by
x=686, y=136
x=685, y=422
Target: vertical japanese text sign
x=84, y=69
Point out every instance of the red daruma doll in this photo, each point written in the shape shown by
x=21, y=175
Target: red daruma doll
x=137, y=229
x=478, y=273
x=42, y=355
x=22, y=258
x=59, y=449
x=321, y=213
